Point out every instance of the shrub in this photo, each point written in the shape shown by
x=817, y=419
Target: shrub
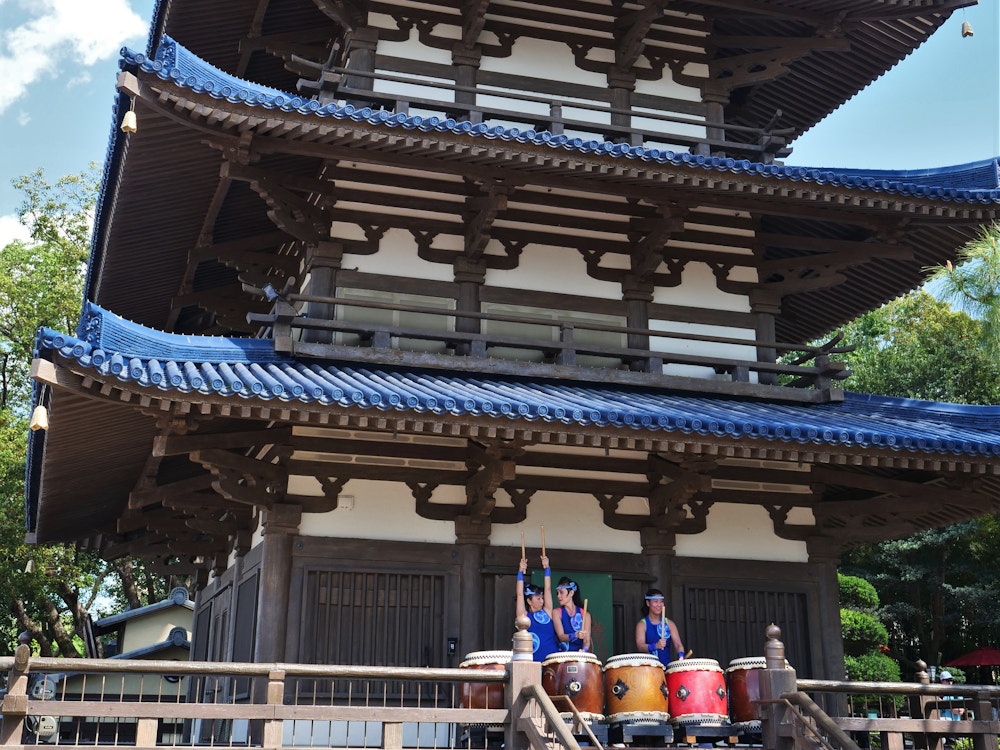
x=871, y=668
x=863, y=634
x=857, y=593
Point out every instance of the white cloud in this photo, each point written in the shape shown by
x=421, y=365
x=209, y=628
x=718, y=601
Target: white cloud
x=23, y=118
x=60, y=36
x=11, y=229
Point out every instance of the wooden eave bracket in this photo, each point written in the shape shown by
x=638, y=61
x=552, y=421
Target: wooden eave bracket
x=737, y=71
x=350, y=14
x=473, y=21
x=630, y=31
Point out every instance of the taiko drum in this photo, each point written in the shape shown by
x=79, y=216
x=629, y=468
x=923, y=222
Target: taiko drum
x=697, y=692
x=483, y=694
x=743, y=679
x=635, y=687
x=577, y=676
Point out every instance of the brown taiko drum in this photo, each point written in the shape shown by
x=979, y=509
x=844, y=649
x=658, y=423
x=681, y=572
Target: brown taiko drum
x=483, y=694
x=577, y=676
x=635, y=688
x=697, y=692
x=742, y=677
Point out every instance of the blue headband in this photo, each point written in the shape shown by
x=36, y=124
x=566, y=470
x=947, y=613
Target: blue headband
x=567, y=586
x=530, y=590
x=654, y=596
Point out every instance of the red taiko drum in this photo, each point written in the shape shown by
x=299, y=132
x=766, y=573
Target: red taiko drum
x=577, y=676
x=483, y=694
x=697, y=692
x=742, y=677
x=635, y=687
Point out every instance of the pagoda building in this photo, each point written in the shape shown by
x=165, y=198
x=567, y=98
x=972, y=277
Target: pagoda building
x=378, y=290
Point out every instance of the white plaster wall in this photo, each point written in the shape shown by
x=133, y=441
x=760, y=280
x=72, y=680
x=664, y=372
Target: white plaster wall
x=545, y=268
x=538, y=58
x=380, y=510
x=743, y=532
x=397, y=256
x=384, y=511
x=571, y=521
x=698, y=289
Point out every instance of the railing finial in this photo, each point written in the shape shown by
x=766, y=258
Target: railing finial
x=523, y=650
x=922, y=675
x=774, y=649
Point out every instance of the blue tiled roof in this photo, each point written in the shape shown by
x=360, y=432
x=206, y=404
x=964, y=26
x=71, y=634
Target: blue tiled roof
x=248, y=369
x=970, y=183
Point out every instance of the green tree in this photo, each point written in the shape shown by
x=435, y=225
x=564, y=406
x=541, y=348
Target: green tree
x=974, y=284
x=49, y=590
x=939, y=587
x=919, y=347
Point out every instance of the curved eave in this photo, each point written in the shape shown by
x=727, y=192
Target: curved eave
x=220, y=370
x=813, y=86
x=221, y=104
x=161, y=181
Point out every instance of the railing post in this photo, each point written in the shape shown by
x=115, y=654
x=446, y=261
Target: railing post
x=776, y=679
x=524, y=670
x=919, y=706
x=15, y=703
x=273, y=727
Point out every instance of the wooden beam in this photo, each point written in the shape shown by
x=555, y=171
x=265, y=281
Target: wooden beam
x=173, y=445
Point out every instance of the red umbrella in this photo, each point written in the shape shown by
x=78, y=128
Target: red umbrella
x=987, y=656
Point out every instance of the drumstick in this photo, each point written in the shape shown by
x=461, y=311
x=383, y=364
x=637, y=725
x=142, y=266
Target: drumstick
x=522, y=544
x=543, y=541
x=688, y=654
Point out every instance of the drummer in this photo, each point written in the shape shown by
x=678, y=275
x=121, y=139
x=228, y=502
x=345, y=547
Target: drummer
x=573, y=625
x=655, y=632
x=537, y=602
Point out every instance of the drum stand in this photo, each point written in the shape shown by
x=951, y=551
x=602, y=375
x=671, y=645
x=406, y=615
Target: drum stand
x=700, y=734
x=642, y=733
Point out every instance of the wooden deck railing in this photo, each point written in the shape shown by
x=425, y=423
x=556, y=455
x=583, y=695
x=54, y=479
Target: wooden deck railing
x=558, y=348
x=168, y=704
x=499, y=101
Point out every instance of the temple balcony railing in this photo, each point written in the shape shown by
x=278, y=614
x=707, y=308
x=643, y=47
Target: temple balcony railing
x=427, y=336
x=652, y=121
x=184, y=704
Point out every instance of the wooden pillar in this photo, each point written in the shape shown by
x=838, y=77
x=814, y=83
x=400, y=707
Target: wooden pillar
x=715, y=120
x=470, y=275
x=280, y=525
x=323, y=260
x=472, y=537
x=764, y=306
x=637, y=295
x=466, y=62
x=361, y=57
x=659, y=552
x=824, y=557
x=621, y=84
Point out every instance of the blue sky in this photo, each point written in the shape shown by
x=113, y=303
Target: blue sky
x=59, y=58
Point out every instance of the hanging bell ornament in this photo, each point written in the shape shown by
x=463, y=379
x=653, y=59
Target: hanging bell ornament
x=129, y=122
x=966, y=29
x=39, y=418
